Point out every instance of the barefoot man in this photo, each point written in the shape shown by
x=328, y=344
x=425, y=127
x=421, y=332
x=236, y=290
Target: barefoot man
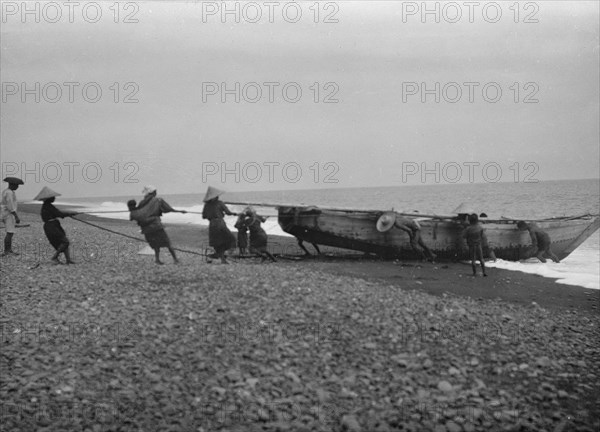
x=540, y=241
x=147, y=214
x=475, y=236
x=413, y=229
x=390, y=220
x=8, y=212
x=52, y=228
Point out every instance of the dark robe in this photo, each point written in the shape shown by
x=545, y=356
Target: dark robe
x=52, y=228
x=147, y=215
x=258, y=236
x=219, y=236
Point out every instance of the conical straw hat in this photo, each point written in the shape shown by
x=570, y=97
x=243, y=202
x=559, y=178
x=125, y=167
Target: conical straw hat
x=148, y=189
x=46, y=193
x=386, y=221
x=13, y=180
x=464, y=208
x=211, y=193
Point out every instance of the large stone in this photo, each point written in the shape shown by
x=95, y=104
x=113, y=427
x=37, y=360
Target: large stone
x=350, y=424
x=445, y=386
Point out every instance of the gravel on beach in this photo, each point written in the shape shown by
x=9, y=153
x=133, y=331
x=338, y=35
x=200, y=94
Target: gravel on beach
x=119, y=343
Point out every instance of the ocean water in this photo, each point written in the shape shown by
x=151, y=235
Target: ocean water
x=515, y=200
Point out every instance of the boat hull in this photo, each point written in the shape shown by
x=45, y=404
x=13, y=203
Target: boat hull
x=356, y=230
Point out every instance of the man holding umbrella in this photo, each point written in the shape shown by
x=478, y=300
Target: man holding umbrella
x=8, y=212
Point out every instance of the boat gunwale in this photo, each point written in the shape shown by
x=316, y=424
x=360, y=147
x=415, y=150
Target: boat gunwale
x=426, y=217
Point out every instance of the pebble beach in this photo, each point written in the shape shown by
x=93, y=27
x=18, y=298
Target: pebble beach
x=335, y=343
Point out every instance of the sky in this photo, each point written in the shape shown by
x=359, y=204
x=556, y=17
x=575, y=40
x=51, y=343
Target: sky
x=366, y=115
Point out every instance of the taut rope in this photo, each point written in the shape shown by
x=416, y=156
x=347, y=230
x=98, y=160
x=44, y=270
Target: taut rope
x=132, y=237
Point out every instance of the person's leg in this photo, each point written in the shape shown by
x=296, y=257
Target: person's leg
x=157, y=256
x=10, y=224
x=68, y=255
x=64, y=248
x=414, y=245
x=551, y=255
x=540, y=255
x=8, y=244
x=259, y=252
x=472, y=253
x=221, y=255
x=430, y=254
x=173, y=254
x=301, y=245
x=270, y=255
x=481, y=260
x=54, y=258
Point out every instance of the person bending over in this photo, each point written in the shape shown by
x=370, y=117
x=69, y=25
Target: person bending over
x=540, y=241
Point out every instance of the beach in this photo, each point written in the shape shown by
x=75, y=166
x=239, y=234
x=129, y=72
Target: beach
x=340, y=342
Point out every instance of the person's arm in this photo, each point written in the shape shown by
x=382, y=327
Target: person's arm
x=484, y=239
x=165, y=207
x=53, y=212
x=63, y=214
x=226, y=210
x=533, y=238
x=404, y=228
x=11, y=206
x=465, y=233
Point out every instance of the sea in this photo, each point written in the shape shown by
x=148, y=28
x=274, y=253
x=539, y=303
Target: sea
x=515, y=200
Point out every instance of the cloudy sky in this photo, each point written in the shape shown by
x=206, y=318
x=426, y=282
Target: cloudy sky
x=369, y=60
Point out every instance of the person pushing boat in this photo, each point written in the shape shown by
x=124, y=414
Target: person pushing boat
x=540, y=241
x=413, y=229
x=391, y=220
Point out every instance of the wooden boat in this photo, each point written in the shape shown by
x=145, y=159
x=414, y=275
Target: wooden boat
x=356, y=230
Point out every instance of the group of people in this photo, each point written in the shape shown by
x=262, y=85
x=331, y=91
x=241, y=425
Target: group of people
x=219, y=236
x=473, y=232
x=50, y=216
x=147, y=213
x=478, y=245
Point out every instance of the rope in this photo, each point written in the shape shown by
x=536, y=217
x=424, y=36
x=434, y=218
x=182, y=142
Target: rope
x=132, y=237
x=121, y=211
